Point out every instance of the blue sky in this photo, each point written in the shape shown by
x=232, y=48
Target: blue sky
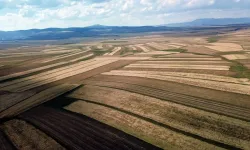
x=27, y=14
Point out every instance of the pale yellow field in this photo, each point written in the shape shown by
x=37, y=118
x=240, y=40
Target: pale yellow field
x=236, y=56
x=225, y=47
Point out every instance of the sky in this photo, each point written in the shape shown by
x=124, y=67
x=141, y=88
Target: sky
x=29, y=14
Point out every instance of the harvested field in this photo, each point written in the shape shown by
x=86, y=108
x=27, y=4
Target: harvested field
x=170, y=114
x=236, y=56
x=5, y=144
x=79, y=77
x=160, y=46
x=114, y=51
x=122, y=58
x=228, y=87
x=133, y=47
x=143, y=48
x=190, y=59
x=99, y=46
x=187, y=55
x=157, y=135
x=63, y=56
x=203, y=71
x=244, y=81
x=225, y=47
x=186, y=66
x=27, y=83
x=178, y=44
x=185, y=62
x=37, y=99
x=16, y=130
x=200, y=103
x=84, y=132
x=30, y=71
x=200, y=49
x=9, y=99
x=203, y=93
x=44, y=68
x=157, y=53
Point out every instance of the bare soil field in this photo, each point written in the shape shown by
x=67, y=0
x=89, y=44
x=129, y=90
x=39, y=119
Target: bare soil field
x=16, y=130
x=84, y=132
x=164, y=112
x=157, y=135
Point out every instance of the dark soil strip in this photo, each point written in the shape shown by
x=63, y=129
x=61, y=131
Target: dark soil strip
x=5, y=143
x=219, y=144
x=75, y=131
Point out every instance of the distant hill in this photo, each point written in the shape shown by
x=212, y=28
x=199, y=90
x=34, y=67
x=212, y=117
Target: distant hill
x=114, y=31
x=67, y=33
x=212, y=22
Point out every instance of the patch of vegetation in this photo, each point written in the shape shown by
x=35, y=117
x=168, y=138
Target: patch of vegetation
x=240, y=70
x=176, y=50
x=98, y=52
x=124, y=51
x=213, y=39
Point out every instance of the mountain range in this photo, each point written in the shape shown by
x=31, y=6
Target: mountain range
x=105, y=31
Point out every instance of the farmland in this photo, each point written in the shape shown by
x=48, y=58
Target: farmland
x=157, y=91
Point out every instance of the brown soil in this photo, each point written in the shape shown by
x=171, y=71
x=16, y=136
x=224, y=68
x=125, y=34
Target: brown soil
x=143, y=129
x=80, y=132
x=26, y=137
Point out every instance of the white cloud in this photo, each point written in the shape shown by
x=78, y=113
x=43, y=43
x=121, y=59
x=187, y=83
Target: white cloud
x=23, y=14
